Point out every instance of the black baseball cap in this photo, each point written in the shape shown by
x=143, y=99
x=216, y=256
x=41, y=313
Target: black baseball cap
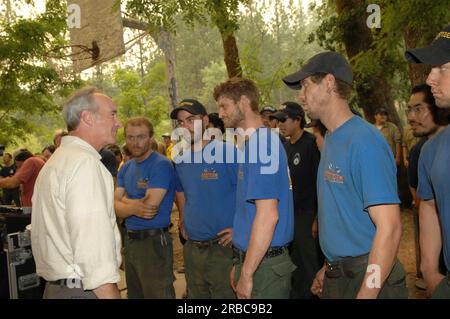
x=437, y=53
x=269, y=109
x=189, y=105
x=292, y=109
x=278, y=116
x=287, y=109
x=326, y=62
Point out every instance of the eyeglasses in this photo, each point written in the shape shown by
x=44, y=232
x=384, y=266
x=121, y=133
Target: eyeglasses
x=188, y=121
x=416, y=110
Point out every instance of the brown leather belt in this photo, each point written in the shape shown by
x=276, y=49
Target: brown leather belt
x=204, y=243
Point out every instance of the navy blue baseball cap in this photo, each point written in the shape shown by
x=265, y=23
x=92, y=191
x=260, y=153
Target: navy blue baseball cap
x=189, y=105
x=328, y=62
x=437, y=53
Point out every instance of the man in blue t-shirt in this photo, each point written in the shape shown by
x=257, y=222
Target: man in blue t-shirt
x=426, y=120
x=263, y=223
x=359, y=215
x=206, y=196
x=144, y=197
x=434, y=168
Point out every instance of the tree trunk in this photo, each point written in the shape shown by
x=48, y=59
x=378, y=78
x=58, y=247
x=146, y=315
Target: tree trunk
x=231, y=55
x=373, y=91
x=418, y=73
x=165, y=43
x=227, y=29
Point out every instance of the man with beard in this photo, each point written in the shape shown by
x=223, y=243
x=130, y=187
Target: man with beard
x=206, y=197
x=359, y=216
x=434, y=167
x=144, y=197
x=263, y=222
x=426, y=120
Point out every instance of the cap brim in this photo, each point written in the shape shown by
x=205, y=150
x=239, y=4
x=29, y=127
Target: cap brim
x=429, y=55
x=174, y=113
x=293, y=80
x=279, y=115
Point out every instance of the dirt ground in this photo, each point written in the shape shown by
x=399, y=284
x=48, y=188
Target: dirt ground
x=407, y=252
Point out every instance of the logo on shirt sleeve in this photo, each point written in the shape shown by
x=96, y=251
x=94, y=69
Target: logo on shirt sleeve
x=333, y=174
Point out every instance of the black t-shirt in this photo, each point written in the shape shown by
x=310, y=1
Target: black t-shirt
x=109, y=160
x=8, y=171
x=303, y=159
x=413, y=167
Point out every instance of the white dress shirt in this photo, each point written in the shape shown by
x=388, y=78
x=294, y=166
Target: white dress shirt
x=74, y=232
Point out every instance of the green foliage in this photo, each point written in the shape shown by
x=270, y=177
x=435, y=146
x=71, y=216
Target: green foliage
x=270, y=51
x=212, y=74
x=136, y=96
x=28, y=81
x=162, y=14
x=386, y=53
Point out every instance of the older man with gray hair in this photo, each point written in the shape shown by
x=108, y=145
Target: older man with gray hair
x=75, y=239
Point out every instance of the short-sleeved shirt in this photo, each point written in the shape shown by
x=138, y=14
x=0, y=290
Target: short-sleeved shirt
x=434, y=182
x=27, y=175
x=356, y=171
x=156, y=171
x=209, y=186
x=8, y=171
x=409, y=140
x=392, y=135
x=303, y=158
x=414, y=153
x=263, y=174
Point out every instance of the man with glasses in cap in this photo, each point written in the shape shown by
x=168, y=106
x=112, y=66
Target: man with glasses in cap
x=434, y=168
x=359, y=216
x=303, y=159
x=206, y=195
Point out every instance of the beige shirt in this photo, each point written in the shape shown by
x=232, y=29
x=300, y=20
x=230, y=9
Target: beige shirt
x=392, y=135
x=74, y=232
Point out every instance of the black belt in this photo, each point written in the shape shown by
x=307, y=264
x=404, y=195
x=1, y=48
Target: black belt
x=239, y=255
x=145, y=233
x=347, y=264
x=204, y=243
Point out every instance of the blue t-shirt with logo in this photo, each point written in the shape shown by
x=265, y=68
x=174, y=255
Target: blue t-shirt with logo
x=156, y=171
x=434, y=182
x=208, y=181
x=357, y=170
x=263, y=174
